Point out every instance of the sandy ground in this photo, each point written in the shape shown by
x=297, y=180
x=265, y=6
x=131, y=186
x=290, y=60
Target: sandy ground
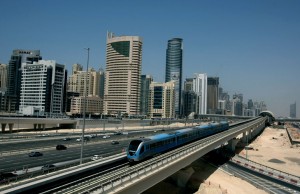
x=275, y=150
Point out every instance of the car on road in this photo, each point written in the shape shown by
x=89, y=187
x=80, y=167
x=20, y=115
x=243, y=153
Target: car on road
x=106, y=136
x=114, y=142
x=35, y=154
x=48, y=167
x=96, y=157
x=61, y=147
x=85, y=139
x=67, y=139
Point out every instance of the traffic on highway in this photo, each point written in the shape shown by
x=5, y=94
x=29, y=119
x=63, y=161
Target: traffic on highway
x=36, y=154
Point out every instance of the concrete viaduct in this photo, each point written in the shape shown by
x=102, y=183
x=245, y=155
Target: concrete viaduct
x=37, y=123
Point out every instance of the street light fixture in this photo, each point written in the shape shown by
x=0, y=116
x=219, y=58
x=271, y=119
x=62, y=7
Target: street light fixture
x=84, y=104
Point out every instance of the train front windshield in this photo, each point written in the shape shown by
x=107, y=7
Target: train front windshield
x=133, y=146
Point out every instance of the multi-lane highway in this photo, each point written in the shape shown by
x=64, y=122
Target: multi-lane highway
x=14, y=152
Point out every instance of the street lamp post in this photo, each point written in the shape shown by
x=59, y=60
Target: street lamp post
x=247, y=145
x=84, y=104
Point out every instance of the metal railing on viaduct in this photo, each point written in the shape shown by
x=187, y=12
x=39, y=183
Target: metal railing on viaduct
x=140, y=177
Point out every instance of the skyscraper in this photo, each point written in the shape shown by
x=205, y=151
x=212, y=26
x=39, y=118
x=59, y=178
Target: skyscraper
x=123, y=75
x=3, y=77
x=174, y=69
x=200, y=88
x=18, y=58
x=189, y=99
x=146, y=80
x=42, y=88
x=212, y=94
x=3, y=85
x=293, y=110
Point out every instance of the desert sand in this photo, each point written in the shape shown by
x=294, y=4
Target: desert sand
x=275, y=150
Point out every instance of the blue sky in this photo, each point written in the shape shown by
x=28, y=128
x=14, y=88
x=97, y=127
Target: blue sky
x=252, y=45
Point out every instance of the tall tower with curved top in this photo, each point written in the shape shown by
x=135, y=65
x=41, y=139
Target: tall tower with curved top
x=174, y=69
x=123, y=75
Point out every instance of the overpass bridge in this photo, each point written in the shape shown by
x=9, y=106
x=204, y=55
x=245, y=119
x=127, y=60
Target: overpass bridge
x=15, y=122
x=36, y=123
x=140, y=177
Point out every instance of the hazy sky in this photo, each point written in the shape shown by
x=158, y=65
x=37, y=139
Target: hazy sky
x=252, y=45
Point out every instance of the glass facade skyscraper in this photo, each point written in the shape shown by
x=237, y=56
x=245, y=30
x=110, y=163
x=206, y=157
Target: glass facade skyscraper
x=146, y=80
x=174, y=69
x=212, y=94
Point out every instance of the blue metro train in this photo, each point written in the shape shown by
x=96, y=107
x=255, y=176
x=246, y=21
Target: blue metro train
x=142, y=148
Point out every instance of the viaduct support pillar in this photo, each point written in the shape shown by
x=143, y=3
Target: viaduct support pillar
x=10, y=126
x=231, y=144
x=250, y=135
x=3, y=125
x=244, y=138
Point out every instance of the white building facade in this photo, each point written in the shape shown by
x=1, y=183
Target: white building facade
x=200, y=88
x=42, y=88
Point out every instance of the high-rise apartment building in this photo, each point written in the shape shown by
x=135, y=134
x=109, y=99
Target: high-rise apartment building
x=224, y=97
x=238, y=96
x=188, y=84
x=212, y=94
x=123, y=75
x=101, y=83
x=3, y=86
x=293, y=110
x=82, y=81
x=18, y=58
x=238, y=105
x=42, y=88
x=162, y=97
x=76, y=68
x=146, y=80
x=200, y=88
x=189, y=98
x=3, y=77
x=250, y=104
x=174, y=69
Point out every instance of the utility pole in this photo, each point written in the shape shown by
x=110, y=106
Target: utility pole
x=84, y=105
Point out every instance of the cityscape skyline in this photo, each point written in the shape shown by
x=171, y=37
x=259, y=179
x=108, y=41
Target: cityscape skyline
x=252, y=47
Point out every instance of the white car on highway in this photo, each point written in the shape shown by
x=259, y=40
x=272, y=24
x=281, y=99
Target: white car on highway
x=96, y=157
